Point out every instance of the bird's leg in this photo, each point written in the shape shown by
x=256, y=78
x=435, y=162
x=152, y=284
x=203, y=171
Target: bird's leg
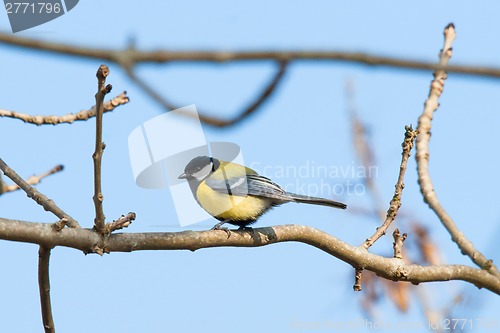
x=219, y=226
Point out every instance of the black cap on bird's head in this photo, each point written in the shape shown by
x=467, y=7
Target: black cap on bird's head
x=200, y=168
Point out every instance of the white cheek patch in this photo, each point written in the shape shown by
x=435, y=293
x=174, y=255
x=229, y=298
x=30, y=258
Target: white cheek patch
x=203, y=173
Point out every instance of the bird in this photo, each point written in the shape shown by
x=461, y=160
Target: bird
x=238, y=195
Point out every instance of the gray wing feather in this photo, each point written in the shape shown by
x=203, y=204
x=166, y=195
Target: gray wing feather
x=255, y=185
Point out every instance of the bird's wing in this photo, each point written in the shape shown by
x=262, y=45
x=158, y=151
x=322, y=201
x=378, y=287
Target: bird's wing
x=255, y=185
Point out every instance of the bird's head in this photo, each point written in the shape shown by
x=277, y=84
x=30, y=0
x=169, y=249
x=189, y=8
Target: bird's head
x=200, y=168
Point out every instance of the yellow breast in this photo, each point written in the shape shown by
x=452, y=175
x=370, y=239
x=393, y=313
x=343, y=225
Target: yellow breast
x=235, y=208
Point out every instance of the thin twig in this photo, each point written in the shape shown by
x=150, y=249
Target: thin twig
x=148, y=89
x=44, y=286
x=127, y=56
x=122, y=222
x=102, y=90
x=209, y=120
x=68, y=118
x=357, y=280
x=398, y=243
x=253, y=106
x=32, y=180
x=33, y=193
x=422, y=157
x=395, y=203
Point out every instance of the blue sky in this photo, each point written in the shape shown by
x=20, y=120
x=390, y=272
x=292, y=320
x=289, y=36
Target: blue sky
x=240, y=289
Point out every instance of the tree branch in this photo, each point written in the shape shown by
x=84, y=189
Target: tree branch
x=393, y=269
x=68, y=118
x=209, y=120
x=128, y=56
x=32, y=180
x=102, y=90
x=422, y=157
x=33, y=193
x=395, y=203
x=44, y=286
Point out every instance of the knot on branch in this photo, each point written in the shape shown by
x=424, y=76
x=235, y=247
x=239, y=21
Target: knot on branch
x=59, y=225
x=488, y=264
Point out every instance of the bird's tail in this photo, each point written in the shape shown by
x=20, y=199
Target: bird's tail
x=315, y=201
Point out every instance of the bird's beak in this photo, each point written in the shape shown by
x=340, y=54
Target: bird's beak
x=182, y=176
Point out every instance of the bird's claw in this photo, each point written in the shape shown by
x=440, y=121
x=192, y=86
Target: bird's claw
x=219, y=226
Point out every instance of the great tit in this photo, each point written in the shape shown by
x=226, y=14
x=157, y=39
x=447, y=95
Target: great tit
x=235, y=194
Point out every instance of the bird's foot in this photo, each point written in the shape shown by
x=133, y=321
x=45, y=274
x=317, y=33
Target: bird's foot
x=219, y=226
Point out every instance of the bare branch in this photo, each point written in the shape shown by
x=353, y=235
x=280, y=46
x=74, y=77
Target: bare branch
x=253, y=106
x=33, y=180
x=102, y=90
x=126, y=57
x=398, y=243
x=422, y=157
x=393, y=269
x=122, y=222
x=68, y=118
x=395, y=203
x=357, y=280
x=148, y=89
x=209, y=120
x=44, y=286
x=33, y=193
